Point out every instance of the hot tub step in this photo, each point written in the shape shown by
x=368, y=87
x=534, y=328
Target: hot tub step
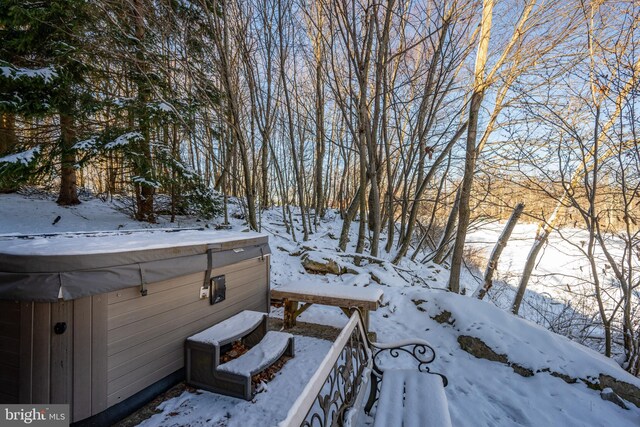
x=203, y=350
x=231, y=329
x=260, y=357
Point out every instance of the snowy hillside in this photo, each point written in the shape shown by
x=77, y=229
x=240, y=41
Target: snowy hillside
x=535, y=377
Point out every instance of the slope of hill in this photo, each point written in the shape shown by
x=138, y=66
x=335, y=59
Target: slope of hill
x=536, y=377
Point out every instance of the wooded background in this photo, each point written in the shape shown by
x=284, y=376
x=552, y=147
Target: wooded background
x=412, y=118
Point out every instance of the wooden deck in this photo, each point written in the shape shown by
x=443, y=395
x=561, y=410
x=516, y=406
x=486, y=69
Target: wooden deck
x=345, y=297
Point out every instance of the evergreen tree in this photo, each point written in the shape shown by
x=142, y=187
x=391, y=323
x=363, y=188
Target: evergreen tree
x=43, y=74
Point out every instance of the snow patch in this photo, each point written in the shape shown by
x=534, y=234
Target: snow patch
x=47, y=73
x=86, y=144
x=124, y=140
x=24, y=158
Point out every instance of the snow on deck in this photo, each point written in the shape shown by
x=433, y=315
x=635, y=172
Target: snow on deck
x=267, y=408
x=267, y=351
x=229, y=329
x=412, y=399
x=369, y=294
x=115, y=241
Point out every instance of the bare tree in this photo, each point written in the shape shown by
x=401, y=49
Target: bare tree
x=599, y=94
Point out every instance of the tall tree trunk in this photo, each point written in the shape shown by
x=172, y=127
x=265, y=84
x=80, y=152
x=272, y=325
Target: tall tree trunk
x=144, y=190
x=391, y=224
x=320, y=147
x=68, y=192
x=470, y=156
x=362, y=202
x=348, y=218
x=492, y=264
x=443, y=246
x=8, y=141
x=295, y=160
x=8, y=138
x=264, y=162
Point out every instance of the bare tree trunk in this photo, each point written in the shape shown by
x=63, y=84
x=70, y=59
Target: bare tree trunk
x=414, y=210
x=391, y=225
x=295, y=159
x=362, y=202
x=8, y=140
x=443, y=246
x=373, y=124
x=492, y=264
x=436, y=202
x=264, y=162
x=68, y=192
x=541, y=238
x=348, y=218
x=320, y=147
x=470, y=157
x=144, y=190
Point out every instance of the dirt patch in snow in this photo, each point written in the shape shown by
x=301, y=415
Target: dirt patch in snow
x=150, y=409
x=313, y=330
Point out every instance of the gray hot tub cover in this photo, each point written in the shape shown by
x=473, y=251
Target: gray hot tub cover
x=50, y=277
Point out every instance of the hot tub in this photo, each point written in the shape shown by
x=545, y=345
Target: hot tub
x=96, y=320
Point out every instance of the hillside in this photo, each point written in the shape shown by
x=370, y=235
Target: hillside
x=537, y=378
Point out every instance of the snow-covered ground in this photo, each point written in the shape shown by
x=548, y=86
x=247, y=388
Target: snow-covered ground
x=480, y=392
x=560, y=295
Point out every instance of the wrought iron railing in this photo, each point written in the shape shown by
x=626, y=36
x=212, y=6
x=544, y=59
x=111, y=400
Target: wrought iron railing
x=414, y=354
x=346, y=371
x=352, y=369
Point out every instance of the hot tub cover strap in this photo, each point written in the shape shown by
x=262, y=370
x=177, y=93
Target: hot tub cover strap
x=77, y=283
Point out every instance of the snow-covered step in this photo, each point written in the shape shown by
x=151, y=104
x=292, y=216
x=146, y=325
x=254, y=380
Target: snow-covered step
x=204, y=349
x=231, y=329
x=412, y=399
x=261, y=356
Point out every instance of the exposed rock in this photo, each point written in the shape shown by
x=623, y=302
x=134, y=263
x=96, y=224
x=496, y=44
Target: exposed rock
x=317, y=267
x=417, y=303
x=591, y=385
x=613, y=390
x=479, y=349
x=566, y=378
x=608, y=394
x=625, y=390
x=444, y=317
x=521, y=370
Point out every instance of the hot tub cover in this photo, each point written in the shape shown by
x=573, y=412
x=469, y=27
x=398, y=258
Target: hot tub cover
x=67, y=266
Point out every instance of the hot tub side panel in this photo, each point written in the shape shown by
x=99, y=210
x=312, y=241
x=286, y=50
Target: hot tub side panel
x=9, y=352
x=145, y=334
x=116, y=344
x=43, y=364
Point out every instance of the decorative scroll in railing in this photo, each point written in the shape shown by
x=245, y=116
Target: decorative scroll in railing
x=400, y=355
x=353, y=367
x=345, y=371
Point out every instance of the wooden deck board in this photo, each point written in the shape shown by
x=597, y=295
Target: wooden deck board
x=332, y=295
